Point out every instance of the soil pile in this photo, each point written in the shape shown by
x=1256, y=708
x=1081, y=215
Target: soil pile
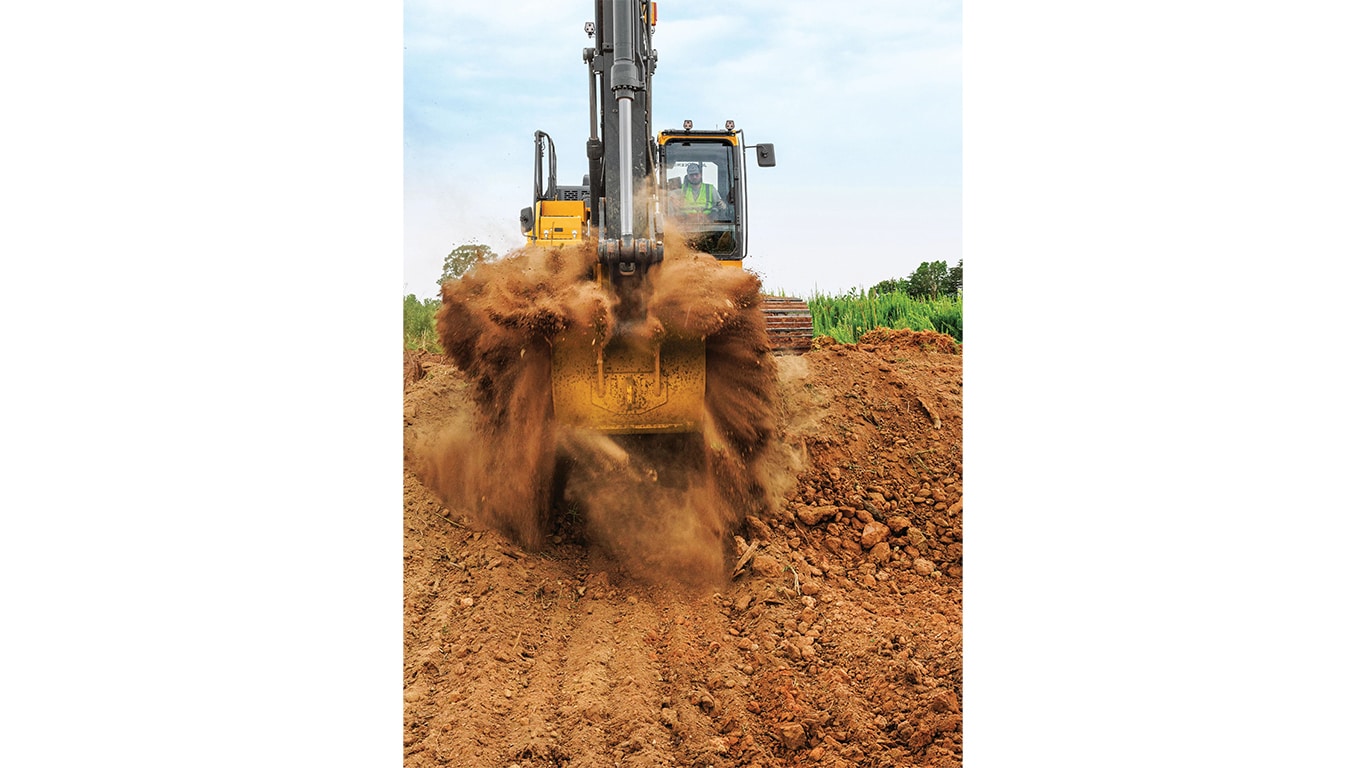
x=555, y=639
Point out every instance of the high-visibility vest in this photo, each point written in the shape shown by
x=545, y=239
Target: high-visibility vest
x=699, y=198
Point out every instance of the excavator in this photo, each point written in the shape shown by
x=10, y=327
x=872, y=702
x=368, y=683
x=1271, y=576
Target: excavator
x=633, y=190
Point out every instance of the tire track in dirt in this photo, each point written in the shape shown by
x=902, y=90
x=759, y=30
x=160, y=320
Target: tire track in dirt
x=592, y=658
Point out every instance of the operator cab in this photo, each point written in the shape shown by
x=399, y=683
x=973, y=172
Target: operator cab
x=710, y=210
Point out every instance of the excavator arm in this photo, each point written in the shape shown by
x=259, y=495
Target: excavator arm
x=655, y=383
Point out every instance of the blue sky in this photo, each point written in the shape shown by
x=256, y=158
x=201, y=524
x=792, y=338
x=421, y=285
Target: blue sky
x=864, y=110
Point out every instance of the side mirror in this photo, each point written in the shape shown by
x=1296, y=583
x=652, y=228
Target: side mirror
x=527, y=220
x=766, y=158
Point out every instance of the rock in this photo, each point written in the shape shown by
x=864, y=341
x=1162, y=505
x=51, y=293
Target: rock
x=922, y=566
x=945, y=702
x=880, y=553
x=792, y=735
x=898, y=523
x=668, y=717
x=766, y=565
x=907, y=732
x=815, y=515
x=758, y=529
x=811, y=588
x=873, y=533
x=916, y=540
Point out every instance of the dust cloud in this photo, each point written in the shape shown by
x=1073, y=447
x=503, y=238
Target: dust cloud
x=662, y=506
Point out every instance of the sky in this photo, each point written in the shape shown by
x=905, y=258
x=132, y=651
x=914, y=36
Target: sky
x=864, y=111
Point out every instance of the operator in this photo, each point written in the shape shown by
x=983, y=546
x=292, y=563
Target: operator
x=697, y=196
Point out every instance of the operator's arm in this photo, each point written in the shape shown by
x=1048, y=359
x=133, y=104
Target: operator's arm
x=718, y=203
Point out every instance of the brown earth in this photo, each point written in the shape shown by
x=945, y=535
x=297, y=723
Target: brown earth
x=837, y=643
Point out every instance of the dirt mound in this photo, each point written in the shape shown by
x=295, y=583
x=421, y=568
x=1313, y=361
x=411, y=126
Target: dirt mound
x=837, y=643
x=903, y=339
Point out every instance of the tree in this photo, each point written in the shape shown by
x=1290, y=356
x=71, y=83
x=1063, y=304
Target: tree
x=955, y=284
x=459, y=261
x=929, y=280
x=891, y=286
x=419, y=323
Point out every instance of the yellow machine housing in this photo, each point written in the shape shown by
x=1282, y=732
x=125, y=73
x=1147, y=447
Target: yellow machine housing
x=669, y=136
x=558, y=223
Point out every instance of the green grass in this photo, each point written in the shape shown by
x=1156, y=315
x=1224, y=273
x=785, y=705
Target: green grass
x=846, y=318
x=419, y=323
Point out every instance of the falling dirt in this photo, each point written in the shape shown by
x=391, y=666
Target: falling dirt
x=663, y=504
x=569, y=598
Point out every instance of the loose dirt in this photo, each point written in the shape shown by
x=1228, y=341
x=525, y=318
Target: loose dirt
x=807, y=616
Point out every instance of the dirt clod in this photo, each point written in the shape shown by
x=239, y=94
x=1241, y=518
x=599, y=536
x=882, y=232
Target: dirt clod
x=792, y=735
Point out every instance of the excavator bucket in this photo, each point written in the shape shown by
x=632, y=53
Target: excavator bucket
x=629, y=388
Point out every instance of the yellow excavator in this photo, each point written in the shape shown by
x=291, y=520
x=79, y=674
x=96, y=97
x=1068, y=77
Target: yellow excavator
x=692, y=178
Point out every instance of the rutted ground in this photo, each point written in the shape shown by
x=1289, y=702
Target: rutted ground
x=838, y=642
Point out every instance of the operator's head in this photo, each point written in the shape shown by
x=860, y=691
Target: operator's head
x=694, y=173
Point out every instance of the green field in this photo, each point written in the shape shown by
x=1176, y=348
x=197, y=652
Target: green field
x=846, y=318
